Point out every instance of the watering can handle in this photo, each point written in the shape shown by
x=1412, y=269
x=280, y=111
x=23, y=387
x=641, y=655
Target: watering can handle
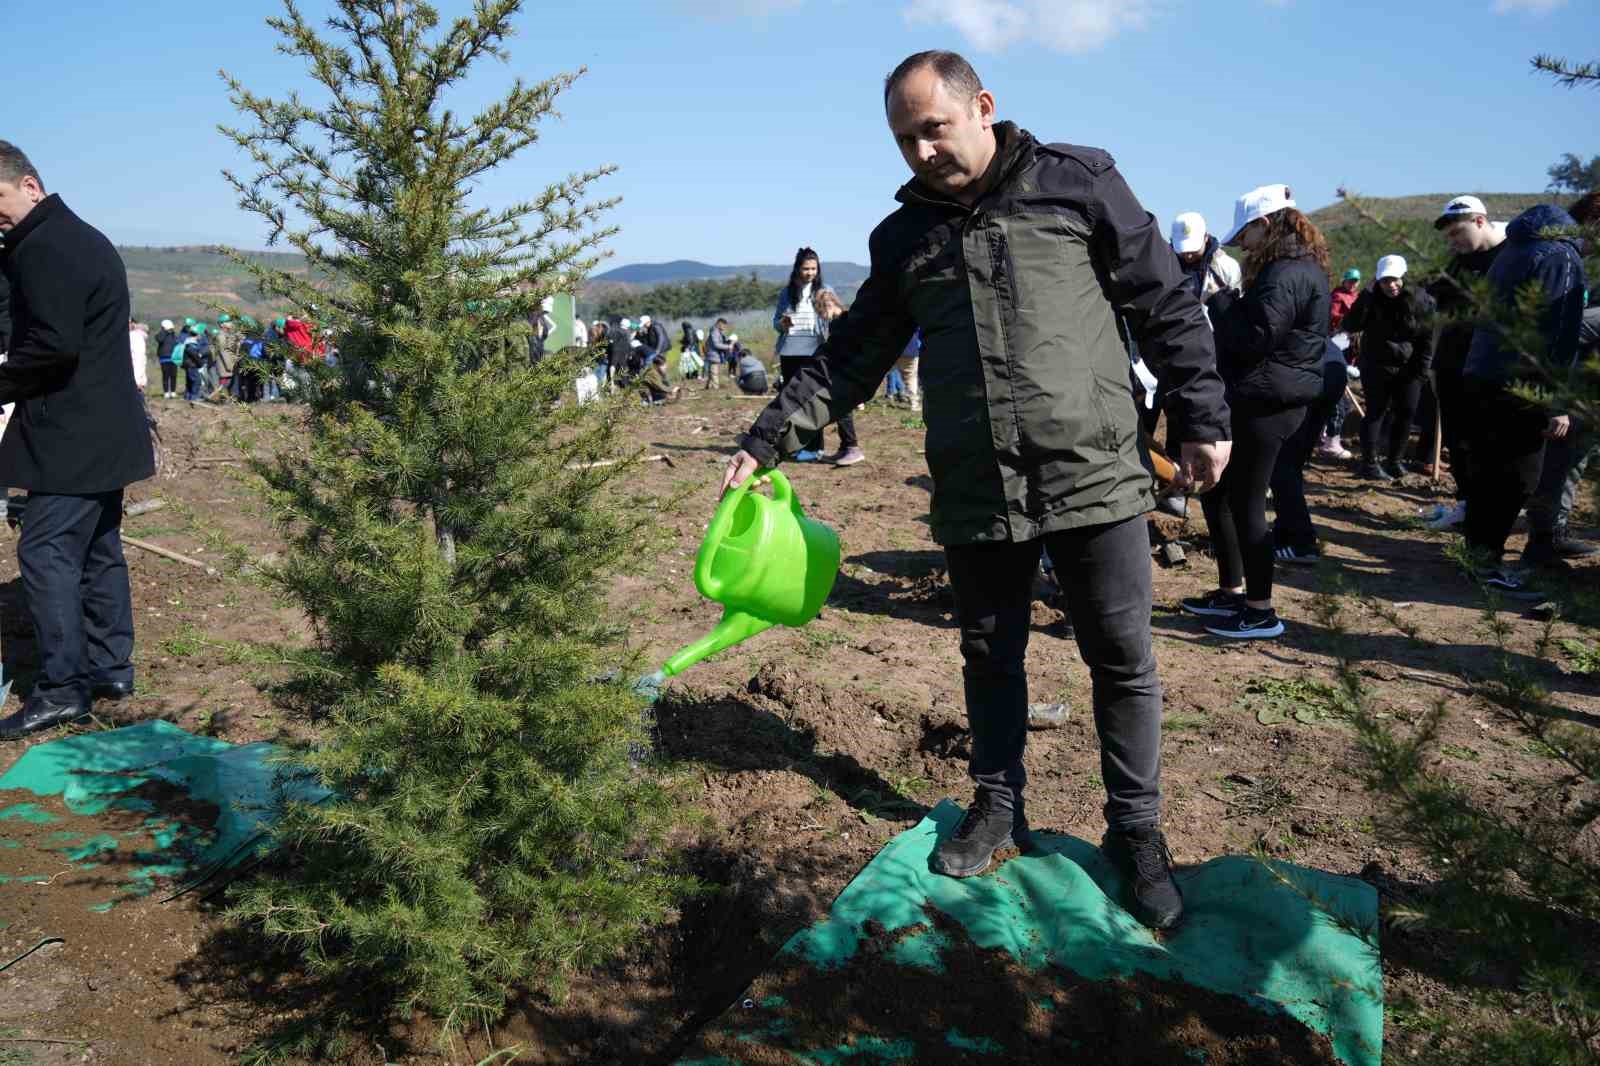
x=782, y=491
x=703, y=577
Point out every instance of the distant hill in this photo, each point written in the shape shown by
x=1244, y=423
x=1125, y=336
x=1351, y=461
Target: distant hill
x=837, y=273
x=1503, y=206
x=184, y=281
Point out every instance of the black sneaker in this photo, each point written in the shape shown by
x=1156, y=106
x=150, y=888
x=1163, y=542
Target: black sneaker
x=1566, y=546
x=1142, y=857
x=1374, y=471
x=1249, y=624
x=984, y=829
x=1297, y=556
x=1214, y=604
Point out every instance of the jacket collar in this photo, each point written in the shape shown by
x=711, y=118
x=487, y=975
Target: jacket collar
x=1014, y=148
x=42, y=210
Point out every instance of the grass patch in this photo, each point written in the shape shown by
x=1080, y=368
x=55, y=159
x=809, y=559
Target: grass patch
x=1279, y=700
x=1582, y=658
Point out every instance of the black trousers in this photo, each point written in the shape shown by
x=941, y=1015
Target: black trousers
x=1449, y=389
x=1392, y=398
x=169, y=378
x=1292, y=526
x=1236, y=510
x=1104, y=572
x=76, y=583
x=1506, y=438
x=788, y=367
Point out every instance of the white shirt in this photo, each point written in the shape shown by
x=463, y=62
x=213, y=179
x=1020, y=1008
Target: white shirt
x=136, y=346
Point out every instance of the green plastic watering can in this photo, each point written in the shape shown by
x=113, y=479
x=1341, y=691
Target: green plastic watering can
x=765, y=562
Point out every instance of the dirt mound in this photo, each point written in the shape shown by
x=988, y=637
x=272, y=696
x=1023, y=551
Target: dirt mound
x=985, y=1006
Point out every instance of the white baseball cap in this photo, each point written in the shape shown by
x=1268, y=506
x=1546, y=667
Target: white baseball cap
x=1459, y=208
x=1392, y=266
x=1189, y=233
x=644, y=320
x=626, y=323
x=1258, y=203
x=732, y=337
x=166, y=323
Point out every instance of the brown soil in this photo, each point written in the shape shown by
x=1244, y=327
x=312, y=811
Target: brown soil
x=983, y=1005
x=811, y=748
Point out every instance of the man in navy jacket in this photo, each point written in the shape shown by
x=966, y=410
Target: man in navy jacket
x=77, y=437
x=1508, y=433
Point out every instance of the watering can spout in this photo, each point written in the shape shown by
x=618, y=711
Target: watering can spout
x=734, y=627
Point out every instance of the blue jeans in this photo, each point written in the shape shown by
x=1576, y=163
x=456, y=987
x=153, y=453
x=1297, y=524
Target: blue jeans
x=1104, y=572
x=76, y=584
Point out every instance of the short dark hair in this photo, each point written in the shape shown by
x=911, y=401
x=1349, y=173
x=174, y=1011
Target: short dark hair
x=14, y=165
x=1587, y=209
x=952, y=68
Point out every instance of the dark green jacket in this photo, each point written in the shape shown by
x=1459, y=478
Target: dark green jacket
x=1031, y=421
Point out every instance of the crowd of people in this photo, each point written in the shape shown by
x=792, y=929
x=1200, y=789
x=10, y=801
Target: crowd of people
x=237, y=358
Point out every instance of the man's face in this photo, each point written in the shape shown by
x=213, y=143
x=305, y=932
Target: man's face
x=947, y=142
x=1390, y=287
x=1468, y=235
x=1191, y=260
x=17, y=199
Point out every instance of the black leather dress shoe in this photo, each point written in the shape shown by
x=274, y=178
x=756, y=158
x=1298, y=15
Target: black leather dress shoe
x=37, y=714
x=111, y=690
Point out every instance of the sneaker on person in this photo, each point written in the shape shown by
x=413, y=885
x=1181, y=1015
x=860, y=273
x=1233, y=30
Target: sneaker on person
x=1177, y=506
x=1252, y=623
x=1214, y=604
x=1447, y=517
x=1376, y=471
x=1555, y=546
x=985, y=828
x=806, y=456
x=1333, y=448
x=1298, y=556
x=1509, y=584
x=1141, y=856
x=847, y=457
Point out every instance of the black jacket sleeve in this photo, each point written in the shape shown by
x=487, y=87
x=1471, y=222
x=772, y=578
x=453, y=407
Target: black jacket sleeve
x=1148, y=289
x=1355, y=319
x=45, y=357
x=5, y=313
x=1427, y=314
x=862, y=345
x=1253, y=326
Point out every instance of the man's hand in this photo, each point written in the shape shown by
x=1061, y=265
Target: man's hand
x=1558, y=427
x=1203, y=464
x=738, y=471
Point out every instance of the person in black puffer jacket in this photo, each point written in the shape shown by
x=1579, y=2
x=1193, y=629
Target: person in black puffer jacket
x=1271, y=341
x=1396, y=326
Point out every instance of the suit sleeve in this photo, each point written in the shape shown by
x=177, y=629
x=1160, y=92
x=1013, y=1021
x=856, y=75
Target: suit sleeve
x=862, y=345
x=1168, y=324
x=45, y=355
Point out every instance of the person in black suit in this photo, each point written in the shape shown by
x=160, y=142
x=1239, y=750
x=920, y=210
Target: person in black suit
x=77, y=437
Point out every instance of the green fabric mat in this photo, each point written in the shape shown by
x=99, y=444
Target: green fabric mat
x=1245, y=932
x=95, y=772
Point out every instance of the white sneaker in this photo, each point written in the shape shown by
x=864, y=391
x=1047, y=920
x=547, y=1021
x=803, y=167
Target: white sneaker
x=1448, y=518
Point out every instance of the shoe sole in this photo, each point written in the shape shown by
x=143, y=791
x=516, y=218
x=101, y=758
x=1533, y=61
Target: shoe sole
x=1208, y=612
x=973, y=871
x=1254, y=634
x=850, y=462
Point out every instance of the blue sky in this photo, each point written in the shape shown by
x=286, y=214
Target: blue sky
x=744, y=128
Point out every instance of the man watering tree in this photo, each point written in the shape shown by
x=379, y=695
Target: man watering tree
x=1015, y=258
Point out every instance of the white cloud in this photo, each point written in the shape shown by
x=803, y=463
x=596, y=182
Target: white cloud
x=1533, y=7
x=1061, y=25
